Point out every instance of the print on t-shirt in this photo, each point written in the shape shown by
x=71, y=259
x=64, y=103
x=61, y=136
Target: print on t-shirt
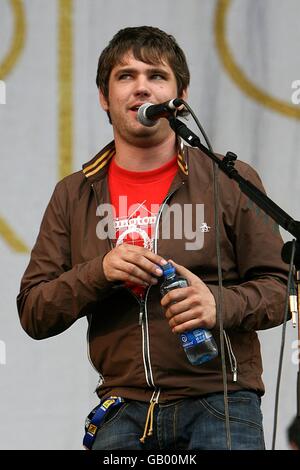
x=138, y=227
x=136, y=198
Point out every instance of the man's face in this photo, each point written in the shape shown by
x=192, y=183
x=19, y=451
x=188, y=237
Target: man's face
x=131, y=84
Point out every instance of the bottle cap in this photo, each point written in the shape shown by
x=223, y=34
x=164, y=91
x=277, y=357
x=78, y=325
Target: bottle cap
x=168, y=269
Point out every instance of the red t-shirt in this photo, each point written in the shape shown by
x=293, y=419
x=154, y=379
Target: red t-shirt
x=136, y=197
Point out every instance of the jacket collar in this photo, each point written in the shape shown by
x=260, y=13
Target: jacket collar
x=97, y=167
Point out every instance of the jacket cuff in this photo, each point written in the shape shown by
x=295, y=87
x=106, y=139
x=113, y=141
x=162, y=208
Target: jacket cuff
x=231, y=307
x=96, y=276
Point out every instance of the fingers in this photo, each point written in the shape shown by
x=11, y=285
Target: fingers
x=186, y=312
x=132, y=263
x=128, y=271
x=187, y=325
x=190, y=307
x=142, y=259
x=183, y=303
x=123, y=276
x=175, y=296
x=188, y=319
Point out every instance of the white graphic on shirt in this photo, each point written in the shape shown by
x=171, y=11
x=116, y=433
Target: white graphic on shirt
x=138, y=227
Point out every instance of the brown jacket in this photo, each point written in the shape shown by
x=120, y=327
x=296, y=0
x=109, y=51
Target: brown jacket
x=130, y=344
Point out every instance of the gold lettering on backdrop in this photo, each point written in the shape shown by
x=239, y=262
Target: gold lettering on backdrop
x=6, y=65
x=18, y=39
x=238, y=75
x=11, y=238
x=65, y=93
x=65, y=87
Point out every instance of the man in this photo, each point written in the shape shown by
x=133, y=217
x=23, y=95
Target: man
x=149, y=192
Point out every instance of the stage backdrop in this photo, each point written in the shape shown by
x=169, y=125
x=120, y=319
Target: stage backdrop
x=243, y=58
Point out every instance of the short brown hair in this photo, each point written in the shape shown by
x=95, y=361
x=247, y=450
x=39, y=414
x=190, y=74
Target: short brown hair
x=148, y=44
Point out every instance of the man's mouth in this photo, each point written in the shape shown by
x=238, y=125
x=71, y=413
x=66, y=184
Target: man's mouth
x=135, y=108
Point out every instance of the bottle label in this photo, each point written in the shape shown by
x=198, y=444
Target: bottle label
x=192, y=338
x=172, y=284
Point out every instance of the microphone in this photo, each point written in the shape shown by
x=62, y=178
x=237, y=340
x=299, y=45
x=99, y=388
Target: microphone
x=149, y=113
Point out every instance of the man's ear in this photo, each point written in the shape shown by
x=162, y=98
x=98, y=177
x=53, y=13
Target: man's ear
x=184, y=94
x=103, y=101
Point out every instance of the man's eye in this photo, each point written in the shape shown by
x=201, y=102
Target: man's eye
x=157, y=76
x=124, y=76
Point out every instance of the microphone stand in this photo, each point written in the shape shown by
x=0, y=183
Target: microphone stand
x=226, y=164
x=298, y=374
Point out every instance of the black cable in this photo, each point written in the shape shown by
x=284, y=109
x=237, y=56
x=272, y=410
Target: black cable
x=220, y=282
x=286, y=309
x=220, y=301
x=187, y=106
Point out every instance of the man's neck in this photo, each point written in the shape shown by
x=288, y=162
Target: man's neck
x=134, y=158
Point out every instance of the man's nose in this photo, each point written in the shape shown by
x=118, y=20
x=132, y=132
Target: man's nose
x=142, y=87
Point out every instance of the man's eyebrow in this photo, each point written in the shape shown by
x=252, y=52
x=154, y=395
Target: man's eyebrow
x=151, y=70
x=122, y=69
x=159, y=70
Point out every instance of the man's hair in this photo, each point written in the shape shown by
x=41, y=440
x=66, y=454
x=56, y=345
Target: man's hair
x=147, y=44
x=293, y=432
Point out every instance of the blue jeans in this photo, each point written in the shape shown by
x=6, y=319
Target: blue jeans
x=190, y=424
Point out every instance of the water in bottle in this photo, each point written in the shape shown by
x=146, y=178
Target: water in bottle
x=199, y=344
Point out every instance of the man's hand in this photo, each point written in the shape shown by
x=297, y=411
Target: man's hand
x=132, y=263
x=189, y=307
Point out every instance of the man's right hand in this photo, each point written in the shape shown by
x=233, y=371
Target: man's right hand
x=132, y=263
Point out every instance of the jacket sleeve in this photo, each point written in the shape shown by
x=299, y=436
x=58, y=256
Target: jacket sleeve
x=257, y=301
x=53, y=293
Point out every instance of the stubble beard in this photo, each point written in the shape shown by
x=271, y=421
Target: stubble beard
x=140, y=136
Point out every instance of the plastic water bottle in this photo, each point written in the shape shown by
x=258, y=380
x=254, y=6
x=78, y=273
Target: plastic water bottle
x=199, y=344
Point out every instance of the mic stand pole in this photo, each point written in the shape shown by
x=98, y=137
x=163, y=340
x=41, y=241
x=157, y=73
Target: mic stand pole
x=226, y=164
x=298, y=345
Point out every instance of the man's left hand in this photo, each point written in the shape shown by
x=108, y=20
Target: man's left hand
x=189, y=307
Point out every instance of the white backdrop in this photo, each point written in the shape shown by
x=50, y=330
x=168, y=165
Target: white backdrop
x=244, y=103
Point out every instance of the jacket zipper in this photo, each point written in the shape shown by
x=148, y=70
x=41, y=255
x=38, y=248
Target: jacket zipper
x=145, y=341
x=101, y=378
x=142, y=311
x=232, y=358
x=143, y=322
x=159, y=215
x=143, y=316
